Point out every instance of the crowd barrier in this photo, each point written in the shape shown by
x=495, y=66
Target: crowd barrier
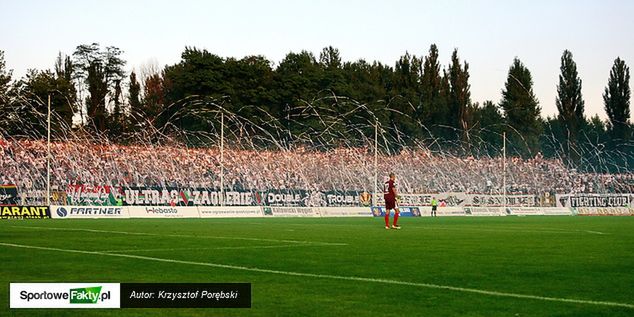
x=127, y=212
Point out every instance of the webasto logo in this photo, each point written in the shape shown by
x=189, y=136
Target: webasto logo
x=87, y=295
x=161, y=210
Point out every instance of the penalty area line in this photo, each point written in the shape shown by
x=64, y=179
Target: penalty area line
x=333, y=277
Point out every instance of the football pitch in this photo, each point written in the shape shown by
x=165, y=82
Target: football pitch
x=447, y=266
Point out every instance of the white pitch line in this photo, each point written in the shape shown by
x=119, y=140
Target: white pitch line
x=336, y=277
x=314, y=224
x=219, y=248
x=423, y=226
x=561, y=230
x=493, y=229
x=179, y=235
x=595, y=232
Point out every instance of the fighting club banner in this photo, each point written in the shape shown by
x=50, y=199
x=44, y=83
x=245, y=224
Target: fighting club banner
x=595, y=200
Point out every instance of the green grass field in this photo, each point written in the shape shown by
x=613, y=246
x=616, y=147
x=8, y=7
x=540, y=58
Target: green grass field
x=342, y=266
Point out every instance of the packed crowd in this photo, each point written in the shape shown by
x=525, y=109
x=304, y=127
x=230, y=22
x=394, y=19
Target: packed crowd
x=23, y=162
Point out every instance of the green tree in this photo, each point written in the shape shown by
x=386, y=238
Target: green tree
x=367, y=85
x=198, y=73
x=459, y=97
x=251, y=87
x=134, y=98
x=596, y=131
x=9, y=115
x=184, y=94
x=433, y=111
x=153, y=96
x=551, y=139
x=24, y=105
x=32, y=105
x=487, y=128
x=117, y=120
x=521, y=110
x=363, y=80
x=570, y=105
x=97, y=72
x=404, y=100
x=332, y=68
x=616, y=99
x=64, y=93
x=297, y=80
x=5, y=79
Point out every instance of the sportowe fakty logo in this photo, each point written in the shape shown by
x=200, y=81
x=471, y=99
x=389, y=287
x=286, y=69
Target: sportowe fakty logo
x=84, y=295
x=64, y=295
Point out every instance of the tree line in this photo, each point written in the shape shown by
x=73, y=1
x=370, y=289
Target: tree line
x=324, y=102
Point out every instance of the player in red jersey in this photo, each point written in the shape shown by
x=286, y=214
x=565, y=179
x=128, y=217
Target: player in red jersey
x=389, y=193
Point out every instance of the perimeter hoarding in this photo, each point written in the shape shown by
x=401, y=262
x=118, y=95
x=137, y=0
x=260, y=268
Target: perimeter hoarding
x=404, y=211
x=25, y=212
x=230, y=212
x=163, y=212
x=344, y=212
x=291, y=211
x=74, y=212
x=484, y=211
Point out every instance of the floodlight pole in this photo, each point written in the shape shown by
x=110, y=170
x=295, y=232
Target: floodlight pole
x=48, y=155
x=504, y=172
x=376, y=155
x=222, y=161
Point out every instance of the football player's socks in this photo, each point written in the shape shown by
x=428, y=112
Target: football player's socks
x=387, y=219
x=395, y=218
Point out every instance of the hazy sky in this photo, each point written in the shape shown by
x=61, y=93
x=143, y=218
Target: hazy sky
x=488, y=34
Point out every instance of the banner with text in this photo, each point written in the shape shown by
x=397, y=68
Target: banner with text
x=291, y=211
x=595, y=200
x=163, y=212
x=8, y=195
x=344, y=212
x=484, y=211
x=73, y=212
x=142, y=196
x=465, y=200
x=378, y=211
x=64, y=295
x=129, y=295
x=25, y=212
x=93, y=195
x=230, y=211
x=604, y=211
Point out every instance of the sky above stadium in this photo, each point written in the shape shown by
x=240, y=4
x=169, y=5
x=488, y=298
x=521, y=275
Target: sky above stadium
x=488, y=34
